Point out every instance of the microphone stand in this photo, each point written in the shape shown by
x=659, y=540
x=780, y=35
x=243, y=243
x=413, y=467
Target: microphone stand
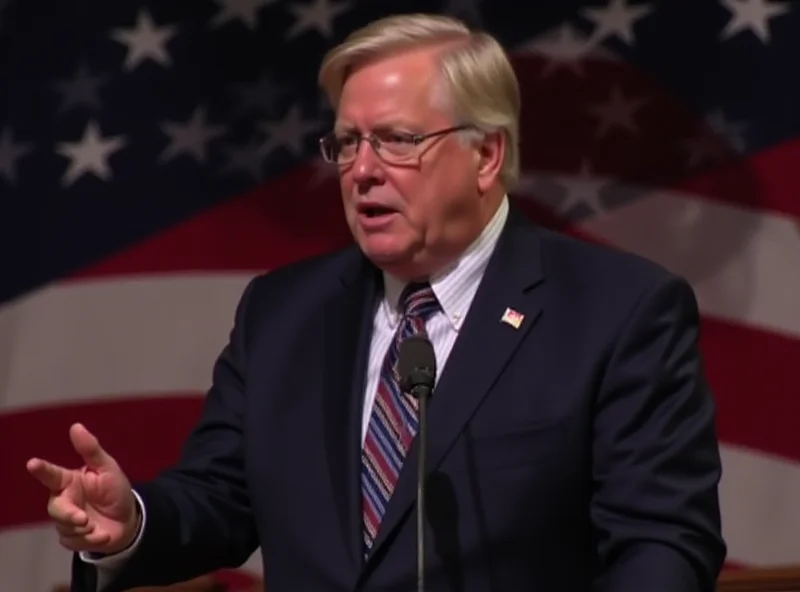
x=422, y=393
x=417, y=369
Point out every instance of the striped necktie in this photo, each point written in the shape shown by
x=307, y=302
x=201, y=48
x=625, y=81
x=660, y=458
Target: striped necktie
x=393, y=421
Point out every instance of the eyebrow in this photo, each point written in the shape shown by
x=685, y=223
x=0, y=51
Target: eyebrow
x=389, y=125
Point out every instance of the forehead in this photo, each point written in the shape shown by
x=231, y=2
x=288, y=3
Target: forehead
x=398, y=87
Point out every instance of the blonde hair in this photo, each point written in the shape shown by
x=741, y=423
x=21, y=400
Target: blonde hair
x=480, y=84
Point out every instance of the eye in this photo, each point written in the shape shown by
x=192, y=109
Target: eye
x=397, y=138
x=347, y=140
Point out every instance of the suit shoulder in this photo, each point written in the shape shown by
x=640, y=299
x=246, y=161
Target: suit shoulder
x=278, y=301
x=310, y=276
x=603, y=269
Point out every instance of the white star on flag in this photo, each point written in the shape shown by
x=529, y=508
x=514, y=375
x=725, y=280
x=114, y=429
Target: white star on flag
x=82, y=90
x=318, y=14
x=582, y=189
x=290, y=132
x=10, y=153
x=245, y=11
x=752, y=15
x=618, y=111
x=716, y=142
x=731, y=131
x=616, y=19
x=190, y=138
x=145, y=41
x=564, y=47
x=90, y=154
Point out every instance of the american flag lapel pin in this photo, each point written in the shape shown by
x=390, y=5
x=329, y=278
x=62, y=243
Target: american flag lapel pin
x=512, y=317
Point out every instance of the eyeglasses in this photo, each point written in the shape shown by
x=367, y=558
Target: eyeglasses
x=391, y=146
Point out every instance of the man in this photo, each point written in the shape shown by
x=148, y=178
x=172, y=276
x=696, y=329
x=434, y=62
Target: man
x=571, y=440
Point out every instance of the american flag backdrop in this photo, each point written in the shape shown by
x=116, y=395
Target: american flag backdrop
x=155, y=155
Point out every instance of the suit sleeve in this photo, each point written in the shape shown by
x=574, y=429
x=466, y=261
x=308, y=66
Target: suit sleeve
x=656, y=465
x=198, y=512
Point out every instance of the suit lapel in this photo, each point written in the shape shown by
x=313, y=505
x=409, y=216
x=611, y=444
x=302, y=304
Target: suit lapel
x=479, y=355
x=347, y=325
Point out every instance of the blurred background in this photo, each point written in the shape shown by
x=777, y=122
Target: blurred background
x=154, y=153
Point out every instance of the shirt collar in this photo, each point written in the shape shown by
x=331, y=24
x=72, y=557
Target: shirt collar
x=455, y=286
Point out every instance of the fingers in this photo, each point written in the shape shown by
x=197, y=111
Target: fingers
x=66, y=513
x=88, y=446
x=76, y=531
x=70, y=530
x=54, y=477
x=96, y=540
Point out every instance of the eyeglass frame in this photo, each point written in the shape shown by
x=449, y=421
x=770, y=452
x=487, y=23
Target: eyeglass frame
x=375, y=142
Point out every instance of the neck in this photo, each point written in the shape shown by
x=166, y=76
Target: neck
x=437, y=265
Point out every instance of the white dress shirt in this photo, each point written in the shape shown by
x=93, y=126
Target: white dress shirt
x=455, y=288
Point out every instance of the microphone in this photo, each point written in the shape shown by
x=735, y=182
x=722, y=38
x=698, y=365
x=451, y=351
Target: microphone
x=416, y=365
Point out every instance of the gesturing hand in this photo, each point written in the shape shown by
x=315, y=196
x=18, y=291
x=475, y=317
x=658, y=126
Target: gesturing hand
x=93, y=507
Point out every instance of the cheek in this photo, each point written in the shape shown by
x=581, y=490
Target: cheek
x=426, y=211
x=457, y=176
x=412, y=190
x=445, y=187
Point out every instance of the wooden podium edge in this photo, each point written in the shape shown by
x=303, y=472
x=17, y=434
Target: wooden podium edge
x=768, y=579
x=771, y=579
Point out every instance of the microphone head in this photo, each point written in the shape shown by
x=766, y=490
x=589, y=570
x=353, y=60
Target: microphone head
x=416, y=364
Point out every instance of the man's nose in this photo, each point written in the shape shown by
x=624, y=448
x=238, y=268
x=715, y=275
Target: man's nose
x=367, y=167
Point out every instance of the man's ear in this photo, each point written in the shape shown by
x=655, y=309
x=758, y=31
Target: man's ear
x=491, y=152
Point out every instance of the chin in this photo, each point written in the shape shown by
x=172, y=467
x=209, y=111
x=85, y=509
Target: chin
x=384, y=256
x=384, y=252
x=400, y=263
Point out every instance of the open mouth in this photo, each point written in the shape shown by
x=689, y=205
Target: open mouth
x=376, y=211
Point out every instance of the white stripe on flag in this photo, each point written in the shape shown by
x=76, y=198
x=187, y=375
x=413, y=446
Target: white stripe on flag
x=760, y=513
x=116, y=336
x=743, y=264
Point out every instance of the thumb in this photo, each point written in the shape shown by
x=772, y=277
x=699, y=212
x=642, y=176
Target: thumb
x=88, y=446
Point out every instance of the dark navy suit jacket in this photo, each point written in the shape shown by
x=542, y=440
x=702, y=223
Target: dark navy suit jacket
x=577, y=452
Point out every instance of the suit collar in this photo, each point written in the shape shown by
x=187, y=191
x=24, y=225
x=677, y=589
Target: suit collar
x=346, y=325
x=456, y=285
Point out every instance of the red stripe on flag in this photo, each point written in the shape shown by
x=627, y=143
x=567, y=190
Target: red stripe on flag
x=259, y=230
x=766, y=181
x=143, y=434
x=753, y=374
